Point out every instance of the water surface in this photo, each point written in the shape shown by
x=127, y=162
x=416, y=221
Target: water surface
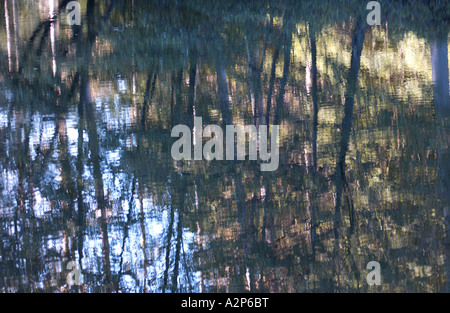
x=87, y=176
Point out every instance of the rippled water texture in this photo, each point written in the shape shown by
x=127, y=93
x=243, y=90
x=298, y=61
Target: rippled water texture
x=88, y=181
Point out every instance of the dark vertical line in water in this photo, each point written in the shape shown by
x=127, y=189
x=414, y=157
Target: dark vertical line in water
x=144, y=237
x=81, y=223
x=94, y=147
x=192, y=86
x=223, y=95
x=16, y=33
x=125, y=231
x=172, y=103
x=286, y=33
x=255, y=86
x=441, y=100
x=352, y=76
x=148, y=95
x=312, y=38
x=177, y=248
x=179, y=96
x=275, y=56
x=168, y=246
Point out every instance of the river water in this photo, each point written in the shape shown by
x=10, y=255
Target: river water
x=89, y=190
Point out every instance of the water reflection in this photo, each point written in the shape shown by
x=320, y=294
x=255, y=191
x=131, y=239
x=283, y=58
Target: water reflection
x=87, y=176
